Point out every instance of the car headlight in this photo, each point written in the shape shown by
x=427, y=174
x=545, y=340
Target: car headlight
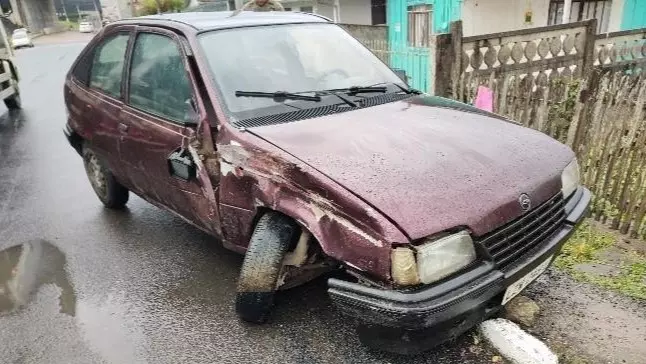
x=440, y=258
x=433, y=260
x=570, y=178
x=404, y=266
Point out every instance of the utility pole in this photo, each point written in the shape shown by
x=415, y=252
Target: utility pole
x=65, y=11
x=78, y=13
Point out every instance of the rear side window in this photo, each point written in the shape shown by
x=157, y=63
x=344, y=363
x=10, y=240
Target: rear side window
x=107, y=64
x=159, y=83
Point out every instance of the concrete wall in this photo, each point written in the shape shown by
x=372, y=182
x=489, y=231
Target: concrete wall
x=374, y=36
x=38, y=15
x=492, y=16
x=116, y=9
x=356, y=12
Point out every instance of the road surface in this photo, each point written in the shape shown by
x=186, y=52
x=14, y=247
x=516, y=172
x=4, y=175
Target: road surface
x=141, y=285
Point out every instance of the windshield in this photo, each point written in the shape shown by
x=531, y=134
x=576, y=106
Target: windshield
x=290, y=58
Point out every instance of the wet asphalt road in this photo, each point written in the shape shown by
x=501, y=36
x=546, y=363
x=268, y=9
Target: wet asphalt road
x=140, y=285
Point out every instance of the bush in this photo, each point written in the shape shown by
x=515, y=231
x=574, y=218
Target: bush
x=150, y=6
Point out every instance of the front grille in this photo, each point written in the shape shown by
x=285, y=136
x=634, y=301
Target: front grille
x=508, y=243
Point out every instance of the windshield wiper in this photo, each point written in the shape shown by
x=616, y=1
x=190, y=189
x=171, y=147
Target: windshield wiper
x=408, y=90
x=353, y=90
x=278, y=96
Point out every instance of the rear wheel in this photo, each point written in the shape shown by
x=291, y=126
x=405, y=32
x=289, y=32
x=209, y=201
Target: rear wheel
x=110, y=192
x=272, y=238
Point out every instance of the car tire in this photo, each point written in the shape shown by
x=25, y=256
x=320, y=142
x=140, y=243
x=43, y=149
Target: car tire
x=111, y=193
x=272, y=238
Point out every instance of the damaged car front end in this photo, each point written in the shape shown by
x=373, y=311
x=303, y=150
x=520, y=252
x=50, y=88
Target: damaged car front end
x=299, y=148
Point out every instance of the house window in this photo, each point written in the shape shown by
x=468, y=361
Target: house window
x=378, y=8
x=419, y=25
x=582, y=10
x=307, y=9
x=232, y=4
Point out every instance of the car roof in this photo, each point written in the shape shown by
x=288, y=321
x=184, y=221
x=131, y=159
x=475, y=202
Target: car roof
x=228, y=19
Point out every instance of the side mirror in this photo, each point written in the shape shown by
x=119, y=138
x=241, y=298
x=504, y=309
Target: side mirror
x=401, y=74
x=181, y=165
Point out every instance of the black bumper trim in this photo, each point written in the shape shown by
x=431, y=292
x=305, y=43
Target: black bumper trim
x=73, y=138
x=478, y=291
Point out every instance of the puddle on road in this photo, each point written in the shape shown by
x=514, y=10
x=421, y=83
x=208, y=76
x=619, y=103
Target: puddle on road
x=25, y=268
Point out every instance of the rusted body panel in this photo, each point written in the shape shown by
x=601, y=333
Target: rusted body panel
x=256, y=175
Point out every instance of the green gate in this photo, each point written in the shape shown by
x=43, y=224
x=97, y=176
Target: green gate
x=410, y=25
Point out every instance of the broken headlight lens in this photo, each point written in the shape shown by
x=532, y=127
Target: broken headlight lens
x=404, y=266
x=570, y=179
x=437, y=259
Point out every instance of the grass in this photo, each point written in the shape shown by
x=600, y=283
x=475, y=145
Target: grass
x=586, y=245
x=583, y=247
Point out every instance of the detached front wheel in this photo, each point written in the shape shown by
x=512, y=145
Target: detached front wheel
x=272, y=238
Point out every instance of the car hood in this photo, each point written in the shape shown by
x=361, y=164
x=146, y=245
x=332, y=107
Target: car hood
x=429, y=164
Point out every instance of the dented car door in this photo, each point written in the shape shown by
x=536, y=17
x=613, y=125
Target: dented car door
x=160, y=117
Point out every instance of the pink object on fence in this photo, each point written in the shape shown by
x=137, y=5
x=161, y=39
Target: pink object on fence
x=484, y=99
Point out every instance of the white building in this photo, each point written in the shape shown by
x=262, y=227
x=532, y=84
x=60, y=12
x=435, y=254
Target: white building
x=343, y=11
x=492, y=16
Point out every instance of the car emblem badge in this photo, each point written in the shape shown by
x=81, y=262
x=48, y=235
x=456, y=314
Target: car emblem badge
x=525, y=202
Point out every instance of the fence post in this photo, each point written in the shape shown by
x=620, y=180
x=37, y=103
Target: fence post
x=441, y=54
x=456, y=59
x=588, y=47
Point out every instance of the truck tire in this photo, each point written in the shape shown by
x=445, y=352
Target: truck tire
x=13, y=102
x=272, y=238
x=111, y=193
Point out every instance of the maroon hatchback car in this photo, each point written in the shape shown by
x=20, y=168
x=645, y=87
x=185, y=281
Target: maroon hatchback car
x=289, y=141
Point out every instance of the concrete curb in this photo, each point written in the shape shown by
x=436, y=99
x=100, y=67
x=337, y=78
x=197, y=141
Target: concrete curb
x=515, y=344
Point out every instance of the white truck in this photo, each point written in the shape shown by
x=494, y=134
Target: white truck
x=9, y=92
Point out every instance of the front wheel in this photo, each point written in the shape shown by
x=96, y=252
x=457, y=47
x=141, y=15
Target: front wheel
x=272, y=238
x=110, y=192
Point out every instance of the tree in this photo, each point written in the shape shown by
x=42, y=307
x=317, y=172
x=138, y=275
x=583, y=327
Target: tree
x=161, y=6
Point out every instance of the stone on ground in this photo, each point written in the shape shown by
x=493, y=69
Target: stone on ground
x=516, y=345
x=522, y=310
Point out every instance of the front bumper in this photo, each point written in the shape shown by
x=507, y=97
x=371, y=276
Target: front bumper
x=440, y=312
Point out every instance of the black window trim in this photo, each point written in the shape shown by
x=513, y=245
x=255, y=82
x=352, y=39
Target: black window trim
x=182, y=46
x=92, y=52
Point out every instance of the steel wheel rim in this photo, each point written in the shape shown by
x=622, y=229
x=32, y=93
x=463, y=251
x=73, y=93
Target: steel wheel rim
x=96, y=176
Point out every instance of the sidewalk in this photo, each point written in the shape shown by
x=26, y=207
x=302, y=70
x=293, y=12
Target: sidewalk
x=592, y=301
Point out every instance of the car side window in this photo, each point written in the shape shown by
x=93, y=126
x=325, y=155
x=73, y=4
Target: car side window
x=107, y=64
x=159, y=83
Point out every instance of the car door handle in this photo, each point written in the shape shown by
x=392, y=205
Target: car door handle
x=123, y=128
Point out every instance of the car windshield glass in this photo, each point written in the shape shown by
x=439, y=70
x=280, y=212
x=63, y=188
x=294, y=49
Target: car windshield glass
x=289, y=58
x=19, y=34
